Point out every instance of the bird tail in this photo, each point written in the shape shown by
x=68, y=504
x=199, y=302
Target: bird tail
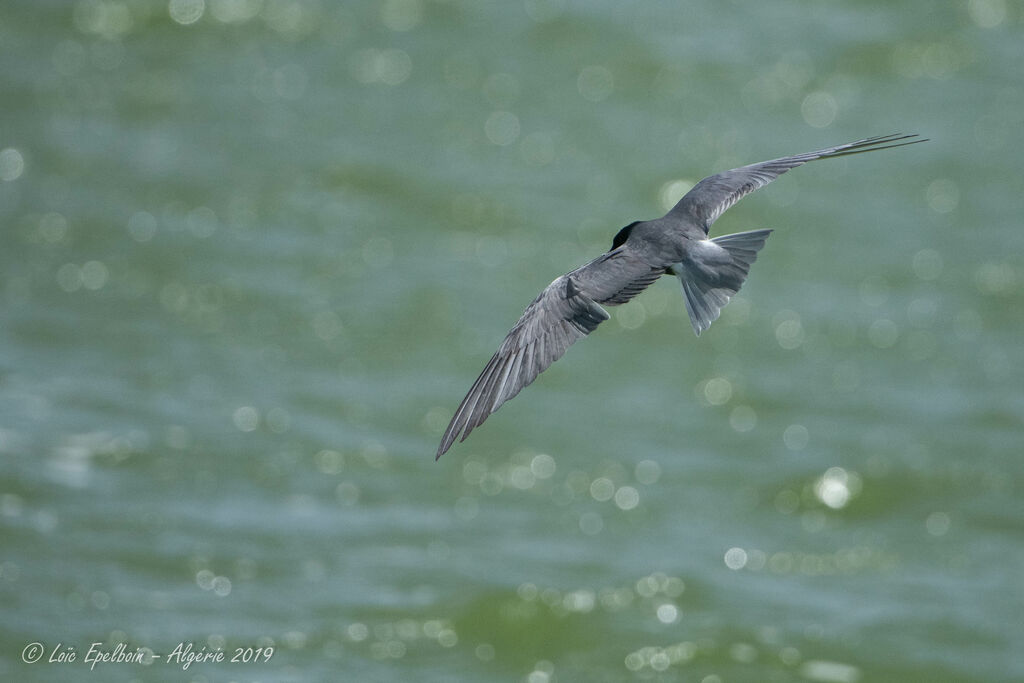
x=714, y=270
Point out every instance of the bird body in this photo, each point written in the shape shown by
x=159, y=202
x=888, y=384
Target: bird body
x=710, y=271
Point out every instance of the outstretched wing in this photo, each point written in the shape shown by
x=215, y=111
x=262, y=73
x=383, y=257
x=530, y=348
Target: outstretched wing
x=567, y=310
x=710, y=198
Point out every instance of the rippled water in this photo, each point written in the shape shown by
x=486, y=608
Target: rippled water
x=255, y=252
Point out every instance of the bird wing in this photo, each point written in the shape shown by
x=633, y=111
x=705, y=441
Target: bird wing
x=567, y=310
x=710, y=198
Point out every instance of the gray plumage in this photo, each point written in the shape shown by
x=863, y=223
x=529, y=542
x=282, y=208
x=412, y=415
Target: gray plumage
x=710, y=271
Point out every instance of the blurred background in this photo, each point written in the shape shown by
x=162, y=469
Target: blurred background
x=254, y=252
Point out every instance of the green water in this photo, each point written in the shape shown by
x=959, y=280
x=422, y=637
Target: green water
x=255, y=252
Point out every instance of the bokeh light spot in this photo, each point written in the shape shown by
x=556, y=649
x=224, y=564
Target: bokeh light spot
x=602, y=489
x=542, y=466
x=937, y=523
x=94, y=274
x=718, y=391
x=357, y=632
x=660, y=661
x=987, y=13
x=735, y=558
x=994, y=278
x=836, y=487
x=329, y=461
x=647, y=471
x=829, y=672
x=246, y=418
x=819, y=109
x=672, y=191
x=502, y=128
x=789, y=332
x=942, y=195
x=668, y=613
x=204, y=579
x=796, y=437
x=627, y=498
x=53, y=227
x=743, y=418
x=221, y=585
x=186, y=12
x=521, y=477
x=12, y=164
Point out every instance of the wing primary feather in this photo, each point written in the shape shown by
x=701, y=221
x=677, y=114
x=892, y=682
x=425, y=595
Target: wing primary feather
x=541, y=354
x=506, y=375
x=462, y=419
x=460, y=422
x=850, y=152
x=529, y=362
x=483, y=407
x=511, y=384
x=714, y=195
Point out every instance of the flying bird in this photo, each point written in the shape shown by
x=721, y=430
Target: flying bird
x=710, y=271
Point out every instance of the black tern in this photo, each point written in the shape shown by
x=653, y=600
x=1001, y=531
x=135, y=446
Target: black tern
x=711, y=271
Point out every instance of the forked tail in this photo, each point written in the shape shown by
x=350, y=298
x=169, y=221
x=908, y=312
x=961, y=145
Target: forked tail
x=714, y=270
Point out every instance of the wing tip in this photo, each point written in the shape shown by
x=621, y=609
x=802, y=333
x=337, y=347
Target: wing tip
x=875, y=144
x=452, y=432
x=448, y=440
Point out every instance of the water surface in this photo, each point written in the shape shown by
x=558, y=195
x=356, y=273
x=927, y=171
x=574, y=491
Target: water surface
x=254, y=253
